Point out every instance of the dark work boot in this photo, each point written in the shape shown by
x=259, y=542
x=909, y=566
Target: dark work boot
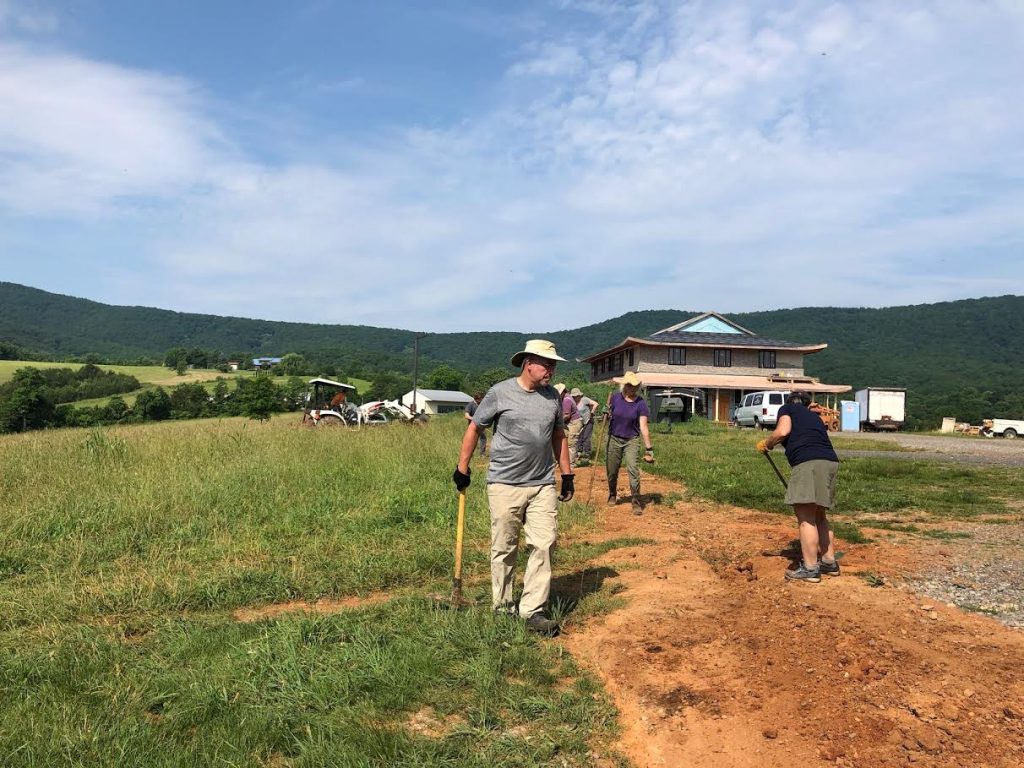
x=611, y=495
x=638, y=506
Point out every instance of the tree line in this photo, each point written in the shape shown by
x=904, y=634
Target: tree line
x=35, y=399
x=959, y=358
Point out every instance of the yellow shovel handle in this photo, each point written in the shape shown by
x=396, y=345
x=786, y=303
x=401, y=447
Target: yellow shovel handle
x=460, y=527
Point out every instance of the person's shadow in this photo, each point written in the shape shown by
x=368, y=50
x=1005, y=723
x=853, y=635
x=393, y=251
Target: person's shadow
x=568, y=590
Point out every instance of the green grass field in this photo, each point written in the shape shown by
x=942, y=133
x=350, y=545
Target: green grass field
x=153, y=375
x=126, y=551
x=722, y=465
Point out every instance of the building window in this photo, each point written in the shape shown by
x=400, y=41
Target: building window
x=677, y=355
x=619, y=360
x=723, y=358
x=593, y=370
x=629, y=355
x=766, y=358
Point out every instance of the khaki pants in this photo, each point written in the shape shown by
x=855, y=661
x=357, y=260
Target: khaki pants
x=628, y=450
x=533, y=509
x=572, y=434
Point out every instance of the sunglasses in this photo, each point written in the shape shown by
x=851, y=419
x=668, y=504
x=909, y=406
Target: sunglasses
x=547, y=364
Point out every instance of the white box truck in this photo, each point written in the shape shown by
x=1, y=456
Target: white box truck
x=882, y=407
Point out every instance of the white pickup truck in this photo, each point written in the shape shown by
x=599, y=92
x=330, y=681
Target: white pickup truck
x=1008, y=428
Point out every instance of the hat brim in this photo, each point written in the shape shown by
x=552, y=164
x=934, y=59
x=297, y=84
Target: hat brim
x=517, y=358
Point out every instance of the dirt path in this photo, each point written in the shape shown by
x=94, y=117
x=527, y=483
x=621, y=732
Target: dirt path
x=717, y=661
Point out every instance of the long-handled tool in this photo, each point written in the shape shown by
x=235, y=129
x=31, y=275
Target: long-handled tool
x=772, y=462
x=457, y=600
x=459, y=531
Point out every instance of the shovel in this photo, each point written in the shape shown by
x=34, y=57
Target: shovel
x=772, y=462
x=457, y=600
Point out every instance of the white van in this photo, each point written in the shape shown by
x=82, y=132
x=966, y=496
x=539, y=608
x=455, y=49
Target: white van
x=760, y=409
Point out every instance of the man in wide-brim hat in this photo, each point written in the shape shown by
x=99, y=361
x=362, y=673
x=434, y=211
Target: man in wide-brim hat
x=529, y=431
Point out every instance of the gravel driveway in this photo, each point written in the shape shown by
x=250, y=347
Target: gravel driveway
x=962, y=450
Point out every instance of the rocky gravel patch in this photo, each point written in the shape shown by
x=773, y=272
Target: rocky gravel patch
x=985, y=574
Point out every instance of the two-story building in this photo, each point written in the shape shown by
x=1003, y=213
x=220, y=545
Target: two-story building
x=706, y=364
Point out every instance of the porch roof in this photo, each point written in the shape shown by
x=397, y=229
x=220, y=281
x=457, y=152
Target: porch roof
x=735, y=381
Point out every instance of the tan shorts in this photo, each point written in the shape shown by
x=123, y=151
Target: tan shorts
x=813, y=482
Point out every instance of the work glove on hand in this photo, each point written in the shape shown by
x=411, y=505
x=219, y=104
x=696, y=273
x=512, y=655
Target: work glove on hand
x=568, y=488
x=649, y=455
x=762, y=446
x=461, y=480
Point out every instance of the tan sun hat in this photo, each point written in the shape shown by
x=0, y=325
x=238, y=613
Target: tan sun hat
x=537, y=348
x=560, y=388
x=628, y=378
x=575, y=392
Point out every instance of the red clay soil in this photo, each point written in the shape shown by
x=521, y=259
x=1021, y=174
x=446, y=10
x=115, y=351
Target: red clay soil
x=716, y=660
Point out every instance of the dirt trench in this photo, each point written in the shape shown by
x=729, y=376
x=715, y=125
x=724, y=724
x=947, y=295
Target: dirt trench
x=715, y=660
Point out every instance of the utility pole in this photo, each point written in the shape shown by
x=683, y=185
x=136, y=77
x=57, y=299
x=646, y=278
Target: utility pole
x=416, y=369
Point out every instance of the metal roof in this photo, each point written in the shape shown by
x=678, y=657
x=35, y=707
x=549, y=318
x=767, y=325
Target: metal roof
x=330, y=383
x=723, y=340
x=441, y=395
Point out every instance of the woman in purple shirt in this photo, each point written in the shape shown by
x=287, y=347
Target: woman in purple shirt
x=628, y=414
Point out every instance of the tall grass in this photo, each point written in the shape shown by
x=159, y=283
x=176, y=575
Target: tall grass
x=126, y=549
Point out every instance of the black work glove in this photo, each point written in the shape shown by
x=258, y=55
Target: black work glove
x=461, y=480
x=568, y=487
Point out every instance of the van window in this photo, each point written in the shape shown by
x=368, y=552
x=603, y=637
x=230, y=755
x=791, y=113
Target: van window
x=756, y=400
x=775, y=399
x=747, y=399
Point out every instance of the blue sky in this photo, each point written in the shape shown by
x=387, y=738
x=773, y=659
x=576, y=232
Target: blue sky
x=511, y=165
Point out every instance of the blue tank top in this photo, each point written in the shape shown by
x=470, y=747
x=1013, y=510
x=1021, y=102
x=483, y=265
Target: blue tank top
x=808, y=439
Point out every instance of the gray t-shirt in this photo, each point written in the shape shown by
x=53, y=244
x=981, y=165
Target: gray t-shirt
x=586, y=408
x=521, y=452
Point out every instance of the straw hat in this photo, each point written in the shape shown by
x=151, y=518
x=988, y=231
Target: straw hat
x=628, y=378
x=560, y=389
x=575, y=392
x=536, y=348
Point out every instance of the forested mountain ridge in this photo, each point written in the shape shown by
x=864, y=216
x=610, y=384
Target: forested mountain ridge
x=960, y=349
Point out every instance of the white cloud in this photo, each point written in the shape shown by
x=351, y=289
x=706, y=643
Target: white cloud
x=79, y=136
x=659, y=160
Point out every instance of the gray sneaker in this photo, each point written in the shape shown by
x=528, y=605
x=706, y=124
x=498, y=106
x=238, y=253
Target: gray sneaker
x=828, y=569
x=541, y=625
x=803, y=573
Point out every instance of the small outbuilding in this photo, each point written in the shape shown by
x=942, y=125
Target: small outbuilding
x=435, y=401
x=265, y=363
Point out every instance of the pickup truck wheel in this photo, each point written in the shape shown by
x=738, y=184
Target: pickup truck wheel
x=1010, y=434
